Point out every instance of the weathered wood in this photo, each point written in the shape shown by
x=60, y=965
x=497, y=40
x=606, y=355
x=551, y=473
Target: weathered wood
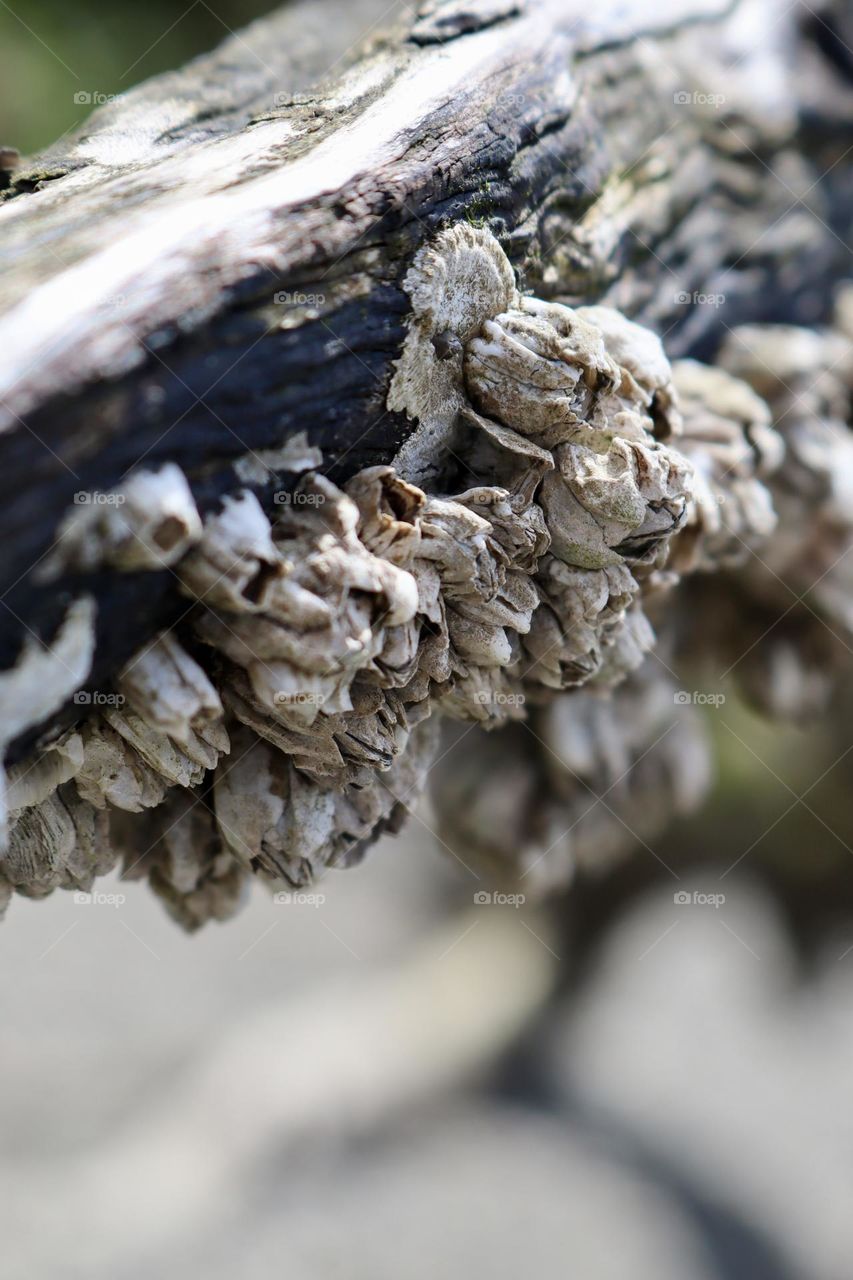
x=143, y=260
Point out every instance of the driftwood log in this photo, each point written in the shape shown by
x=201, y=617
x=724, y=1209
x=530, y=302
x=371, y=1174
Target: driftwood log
x=209, y=286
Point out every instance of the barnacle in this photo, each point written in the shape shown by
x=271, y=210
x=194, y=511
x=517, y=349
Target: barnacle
x=318, y=618
x=236, y=561
x=273, y=818
x=59, y=843
x=165, y=686
x=784, y=621
x=179, y=850
x=454, y=284
x=549, y=492
x=591, y=775
x=149, y=523
x=729, y=439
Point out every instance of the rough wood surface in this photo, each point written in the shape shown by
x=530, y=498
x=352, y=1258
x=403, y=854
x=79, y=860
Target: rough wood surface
x=143, y=259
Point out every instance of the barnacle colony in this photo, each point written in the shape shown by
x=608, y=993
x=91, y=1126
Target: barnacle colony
x=295, y=716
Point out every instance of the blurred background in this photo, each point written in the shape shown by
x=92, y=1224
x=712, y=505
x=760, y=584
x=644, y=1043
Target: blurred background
x=52, y=51
x=388, y=1078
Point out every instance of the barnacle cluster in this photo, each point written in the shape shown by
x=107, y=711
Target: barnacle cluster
x=783, y=621
x=560, y=477
x=585, y=779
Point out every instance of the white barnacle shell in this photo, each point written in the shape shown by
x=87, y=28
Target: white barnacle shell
x=520, y=805
x=806, y=377
x=269, y=816
x=622, y=503
x=62, y=842
x=235, y=562
x=388, y=513
x=733, y=448
x=518, y=525
x=181, y=764
x=179, y=849
x=169, y=690
x=114, y=773
x=509, y=459
x=148, y=523
x=46, y=675
x=322, y=616
x=646, y=374
x=157, y=522
x=41, y=680
x=486, y=694
x=30, y=782
x=580, y=611
x=458, y=281
x=539, y=371
x=295, y=455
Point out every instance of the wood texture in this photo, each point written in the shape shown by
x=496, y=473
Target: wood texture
x=214, y=263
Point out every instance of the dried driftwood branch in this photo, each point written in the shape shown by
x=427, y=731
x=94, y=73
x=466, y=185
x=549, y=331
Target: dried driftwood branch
x=294, y=295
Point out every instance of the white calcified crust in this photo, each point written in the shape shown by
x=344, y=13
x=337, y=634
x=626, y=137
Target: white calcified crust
x=327, y=644
x=171, y=691
x=147, y=524
x=40, y=682
x=454, y=284
x=44, y=677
